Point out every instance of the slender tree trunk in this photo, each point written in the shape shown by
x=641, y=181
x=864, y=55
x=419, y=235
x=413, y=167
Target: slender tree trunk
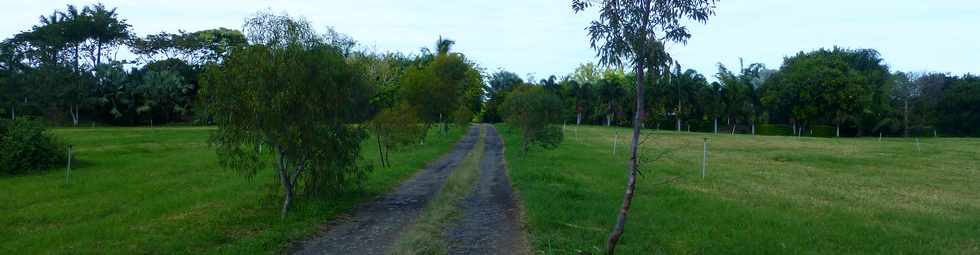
x=734, y=124
x=678, y=115
x=73, y=111
x=633, y=166
x=794, y=127
x=381, y=153
x=387, y=156
x=287, y=185
x=753, y=128
x=906, y=117
x=578, y=119
x=98, y=53
x=837, y=127
x=445, y=129
x=716, y=125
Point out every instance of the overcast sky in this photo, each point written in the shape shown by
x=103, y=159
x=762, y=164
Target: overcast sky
x=544, y=37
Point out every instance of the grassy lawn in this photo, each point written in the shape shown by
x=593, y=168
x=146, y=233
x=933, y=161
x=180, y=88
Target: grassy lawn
x=763, y=195
x=140, y=190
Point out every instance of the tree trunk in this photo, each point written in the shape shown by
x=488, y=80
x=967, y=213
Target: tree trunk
x=608, y=119
x=906, y=117
x=753, y=128
x=73, y=111
x=381, y=153
x=445, y=129
x=837, y=128
x=387, y=156
x=98, y=53
x=734, y=124
x=633, y=166
x=287, y=185
x=678, y=115
x=716, y=125
x=578, y=119
x=794, y=127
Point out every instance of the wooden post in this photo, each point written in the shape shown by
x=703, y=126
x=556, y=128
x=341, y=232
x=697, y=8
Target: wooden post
x=704, y=160
x=68, y=170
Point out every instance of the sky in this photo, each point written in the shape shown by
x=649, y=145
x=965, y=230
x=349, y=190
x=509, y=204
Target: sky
x=538, y=38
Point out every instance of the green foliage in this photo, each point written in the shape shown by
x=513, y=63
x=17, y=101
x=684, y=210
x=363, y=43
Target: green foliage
x=443, y=85
x=396, y=127
x=774, y=129
x=26, y=146
x=462, y=117
x=533, y=111
x=499, y=83
x=292, y=94
x=961, y=107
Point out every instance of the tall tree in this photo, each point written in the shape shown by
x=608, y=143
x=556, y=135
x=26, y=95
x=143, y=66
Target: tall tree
x=634, y=33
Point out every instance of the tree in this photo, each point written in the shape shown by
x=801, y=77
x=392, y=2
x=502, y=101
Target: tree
x=533, y=111
x=961, y=106
x=635, y=32
x=904, y=92
x=443, y=85
x=395, y=127
x=291, y=92
x=500, y=83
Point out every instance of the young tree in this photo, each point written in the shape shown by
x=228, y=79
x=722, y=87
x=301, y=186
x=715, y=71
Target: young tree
x=395, y=127
x=634, y=33
x=292, y=93
x=533, y=111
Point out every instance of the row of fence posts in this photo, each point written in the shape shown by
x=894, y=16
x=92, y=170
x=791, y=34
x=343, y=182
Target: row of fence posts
x=704, y=157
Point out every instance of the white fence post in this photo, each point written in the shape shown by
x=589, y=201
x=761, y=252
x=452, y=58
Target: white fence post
x=68, y=170
x=704, y=160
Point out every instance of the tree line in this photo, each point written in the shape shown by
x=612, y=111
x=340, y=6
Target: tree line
x=826, y=92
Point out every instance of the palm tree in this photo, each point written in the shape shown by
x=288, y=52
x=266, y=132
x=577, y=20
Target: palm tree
x=443, y=45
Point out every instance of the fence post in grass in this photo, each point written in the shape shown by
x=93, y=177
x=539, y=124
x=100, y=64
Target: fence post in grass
x=704, y=160
x=68, y=170
x=615, y=143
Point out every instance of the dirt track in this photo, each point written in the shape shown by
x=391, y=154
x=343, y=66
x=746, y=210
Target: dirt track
x=375, y=226
x=489, y=221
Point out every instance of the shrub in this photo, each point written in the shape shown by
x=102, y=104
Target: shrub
x=822, y=131
x=775, y=129
x=26, y=146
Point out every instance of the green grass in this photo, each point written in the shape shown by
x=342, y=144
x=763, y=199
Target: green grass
x=425, y=234
x=763, y=194
x=160, y=191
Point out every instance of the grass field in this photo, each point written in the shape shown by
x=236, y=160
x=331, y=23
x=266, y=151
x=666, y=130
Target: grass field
x=762, y=195
x=160, y=190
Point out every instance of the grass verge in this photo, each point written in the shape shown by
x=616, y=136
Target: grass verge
x=424, y=236
x=160, y=191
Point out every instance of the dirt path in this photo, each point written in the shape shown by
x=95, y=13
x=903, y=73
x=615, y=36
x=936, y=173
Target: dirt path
x=375, y=226
x=490, y=223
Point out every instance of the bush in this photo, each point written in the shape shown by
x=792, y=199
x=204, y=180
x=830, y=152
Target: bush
x=822, y=131
x=26, y=146
x=774, y=129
